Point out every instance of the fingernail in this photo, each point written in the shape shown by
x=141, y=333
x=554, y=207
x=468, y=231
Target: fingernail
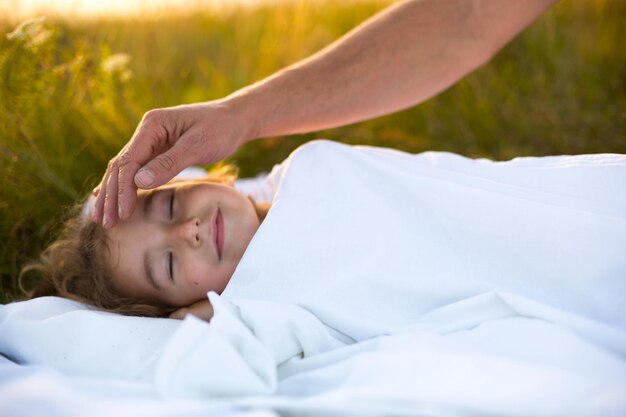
x=120, y=211
x=145, y=178
x=105, y=220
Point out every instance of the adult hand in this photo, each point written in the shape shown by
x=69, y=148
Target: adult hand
x=165, y=142
x=201, y=309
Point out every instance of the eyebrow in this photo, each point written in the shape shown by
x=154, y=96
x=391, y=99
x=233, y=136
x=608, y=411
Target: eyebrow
x=147, y=203
x=147, y=264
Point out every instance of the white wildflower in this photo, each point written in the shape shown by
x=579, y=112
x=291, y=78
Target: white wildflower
x=32, y=32
x=115, y=63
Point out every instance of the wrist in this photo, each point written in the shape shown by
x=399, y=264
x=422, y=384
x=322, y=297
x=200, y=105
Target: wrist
x=251, y=111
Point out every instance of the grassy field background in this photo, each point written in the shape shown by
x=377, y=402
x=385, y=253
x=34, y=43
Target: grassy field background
x=72, y=92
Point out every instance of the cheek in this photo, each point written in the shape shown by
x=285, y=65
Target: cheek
x=204, y=277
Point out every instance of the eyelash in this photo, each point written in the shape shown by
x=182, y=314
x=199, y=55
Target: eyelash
x=171, y=262
x=170, y=254
x=172, y=205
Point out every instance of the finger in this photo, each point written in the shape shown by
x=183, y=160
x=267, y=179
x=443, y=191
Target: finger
x=109, y=216
x=147, y=141
x=179, y=314
x=167, y=165
x=200, y=303
x=99, y=204
x=204, y=314
x=126, y=190
x=202, y=309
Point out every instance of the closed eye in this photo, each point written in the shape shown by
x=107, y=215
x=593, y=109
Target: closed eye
x=172, y=205
x=171, y=265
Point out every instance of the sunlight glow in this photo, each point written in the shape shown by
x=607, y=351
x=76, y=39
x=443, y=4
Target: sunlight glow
x=17, y=9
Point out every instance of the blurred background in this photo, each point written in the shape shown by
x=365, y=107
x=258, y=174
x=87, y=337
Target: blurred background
x=77, y=76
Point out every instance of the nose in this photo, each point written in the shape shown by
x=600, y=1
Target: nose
x=188, y=231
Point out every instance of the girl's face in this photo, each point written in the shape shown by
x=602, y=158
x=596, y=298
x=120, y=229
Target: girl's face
x=183, y=240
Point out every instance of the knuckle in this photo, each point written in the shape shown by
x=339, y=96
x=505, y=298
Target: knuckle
x=166, y=162
x=154, y=116
x=124, y=160
x=127, y=165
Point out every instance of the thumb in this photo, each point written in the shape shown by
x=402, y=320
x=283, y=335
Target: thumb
x=164, y=167
x=179, y=314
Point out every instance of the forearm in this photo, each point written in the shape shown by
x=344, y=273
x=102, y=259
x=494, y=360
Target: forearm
x=397, y=59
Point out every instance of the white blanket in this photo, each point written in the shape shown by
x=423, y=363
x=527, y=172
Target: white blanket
x=383, y=283
x=370, y=239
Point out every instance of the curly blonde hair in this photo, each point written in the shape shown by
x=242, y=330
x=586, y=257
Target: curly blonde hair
x=73, y=267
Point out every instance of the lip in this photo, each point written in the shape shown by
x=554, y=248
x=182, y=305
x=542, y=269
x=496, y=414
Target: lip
x=218, y=235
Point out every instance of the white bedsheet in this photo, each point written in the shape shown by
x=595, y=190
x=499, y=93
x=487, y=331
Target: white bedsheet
x=509, y=301
x=36, y=391
x=492, y=362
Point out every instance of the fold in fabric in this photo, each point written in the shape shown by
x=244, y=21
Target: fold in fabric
x=238, y=352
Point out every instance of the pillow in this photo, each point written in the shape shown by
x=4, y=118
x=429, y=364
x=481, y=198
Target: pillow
x=75, y=338
x=236, y=354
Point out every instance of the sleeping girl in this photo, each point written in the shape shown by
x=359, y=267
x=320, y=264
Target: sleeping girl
x=376, y=279
x=183, y=240
x=368, y=240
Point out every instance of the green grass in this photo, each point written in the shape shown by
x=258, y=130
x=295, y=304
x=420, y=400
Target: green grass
x=559, y=88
